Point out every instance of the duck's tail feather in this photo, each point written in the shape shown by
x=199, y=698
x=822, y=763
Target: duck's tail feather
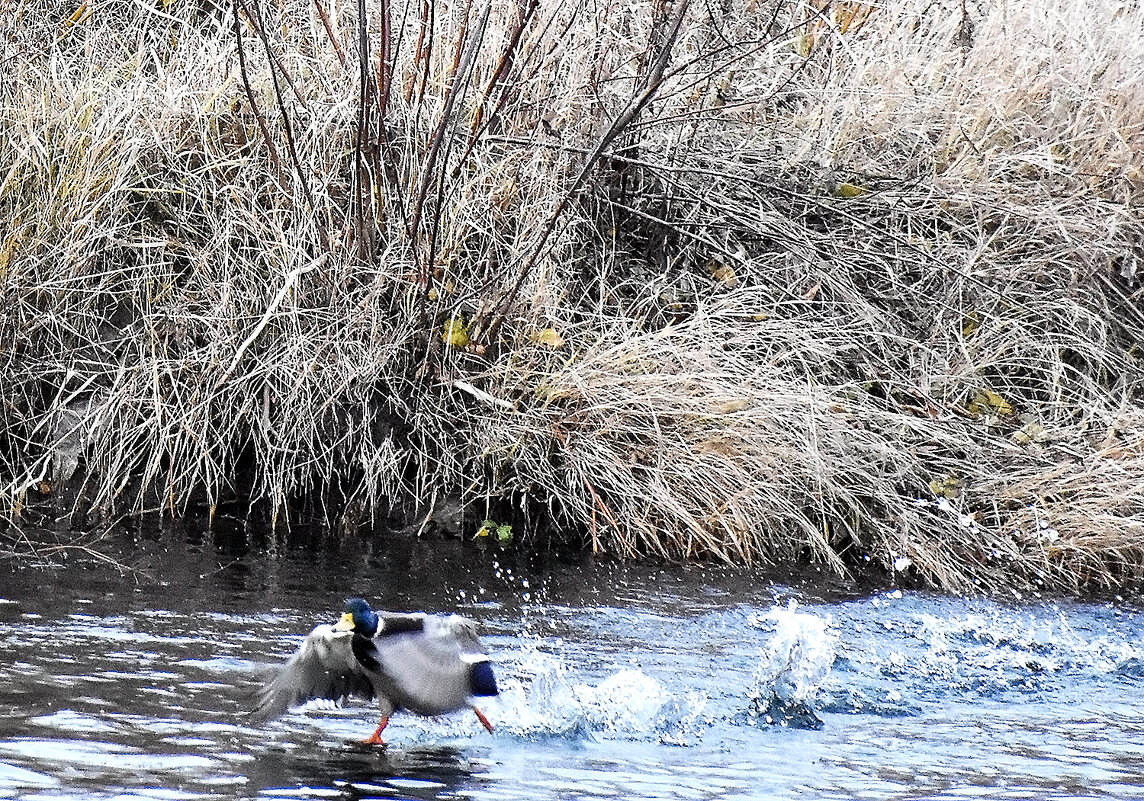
x=481, y=679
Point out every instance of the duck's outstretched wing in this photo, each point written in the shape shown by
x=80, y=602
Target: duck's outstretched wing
x=431, y=669
x=463, y=630
x=324, y=666
x=390, y=623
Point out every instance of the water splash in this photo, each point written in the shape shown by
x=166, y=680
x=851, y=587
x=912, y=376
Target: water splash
x=543, y=701
x=791, y=669
x=901, y=656
x=539, y=701
x=626, y=702
x=631, y=704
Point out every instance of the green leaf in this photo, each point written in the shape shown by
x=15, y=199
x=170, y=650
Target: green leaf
x=456, y=334
x=549, y=337
x=849, y=190
x=946, y=487
x=987, y=400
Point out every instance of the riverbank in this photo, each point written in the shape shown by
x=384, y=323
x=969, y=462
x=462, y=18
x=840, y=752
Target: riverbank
x=849, y=285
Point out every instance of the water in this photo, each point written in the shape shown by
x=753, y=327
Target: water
x=617, y=682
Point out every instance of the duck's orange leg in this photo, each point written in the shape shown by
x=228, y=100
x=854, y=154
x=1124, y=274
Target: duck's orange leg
x=375, y=738
x=485, y=721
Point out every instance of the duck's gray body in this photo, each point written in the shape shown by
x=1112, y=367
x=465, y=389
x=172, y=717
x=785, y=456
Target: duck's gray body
x=426, y=664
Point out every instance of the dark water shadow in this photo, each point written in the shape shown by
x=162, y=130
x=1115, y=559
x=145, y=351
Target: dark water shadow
x=355, y=770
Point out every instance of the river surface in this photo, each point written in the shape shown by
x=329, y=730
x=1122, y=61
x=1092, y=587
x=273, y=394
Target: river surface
x=618, y=682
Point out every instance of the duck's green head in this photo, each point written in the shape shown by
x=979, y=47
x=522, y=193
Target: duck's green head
x=358, y=617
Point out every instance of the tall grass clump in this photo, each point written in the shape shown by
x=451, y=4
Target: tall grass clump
x=752, y=281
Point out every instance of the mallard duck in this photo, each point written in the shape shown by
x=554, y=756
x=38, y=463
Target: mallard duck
x=425, y=664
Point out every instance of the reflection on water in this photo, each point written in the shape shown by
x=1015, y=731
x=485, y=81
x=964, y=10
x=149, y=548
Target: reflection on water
x=617, y=682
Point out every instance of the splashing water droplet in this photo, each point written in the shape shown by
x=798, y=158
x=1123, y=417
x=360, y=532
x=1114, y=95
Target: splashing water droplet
x=792, y=667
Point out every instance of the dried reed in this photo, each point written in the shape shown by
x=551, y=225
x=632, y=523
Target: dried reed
x=753, y=281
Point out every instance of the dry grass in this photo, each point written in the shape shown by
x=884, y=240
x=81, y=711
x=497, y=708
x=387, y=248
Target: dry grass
x=753, y=281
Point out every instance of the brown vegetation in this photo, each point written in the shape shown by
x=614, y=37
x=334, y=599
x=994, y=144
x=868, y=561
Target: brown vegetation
x=753, y=280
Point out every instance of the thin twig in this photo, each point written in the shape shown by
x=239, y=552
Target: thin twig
x=276, y=69
x=651, y=85
x=330, y=32
x=250, y=92
x=483, y=396
x=287, y=285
